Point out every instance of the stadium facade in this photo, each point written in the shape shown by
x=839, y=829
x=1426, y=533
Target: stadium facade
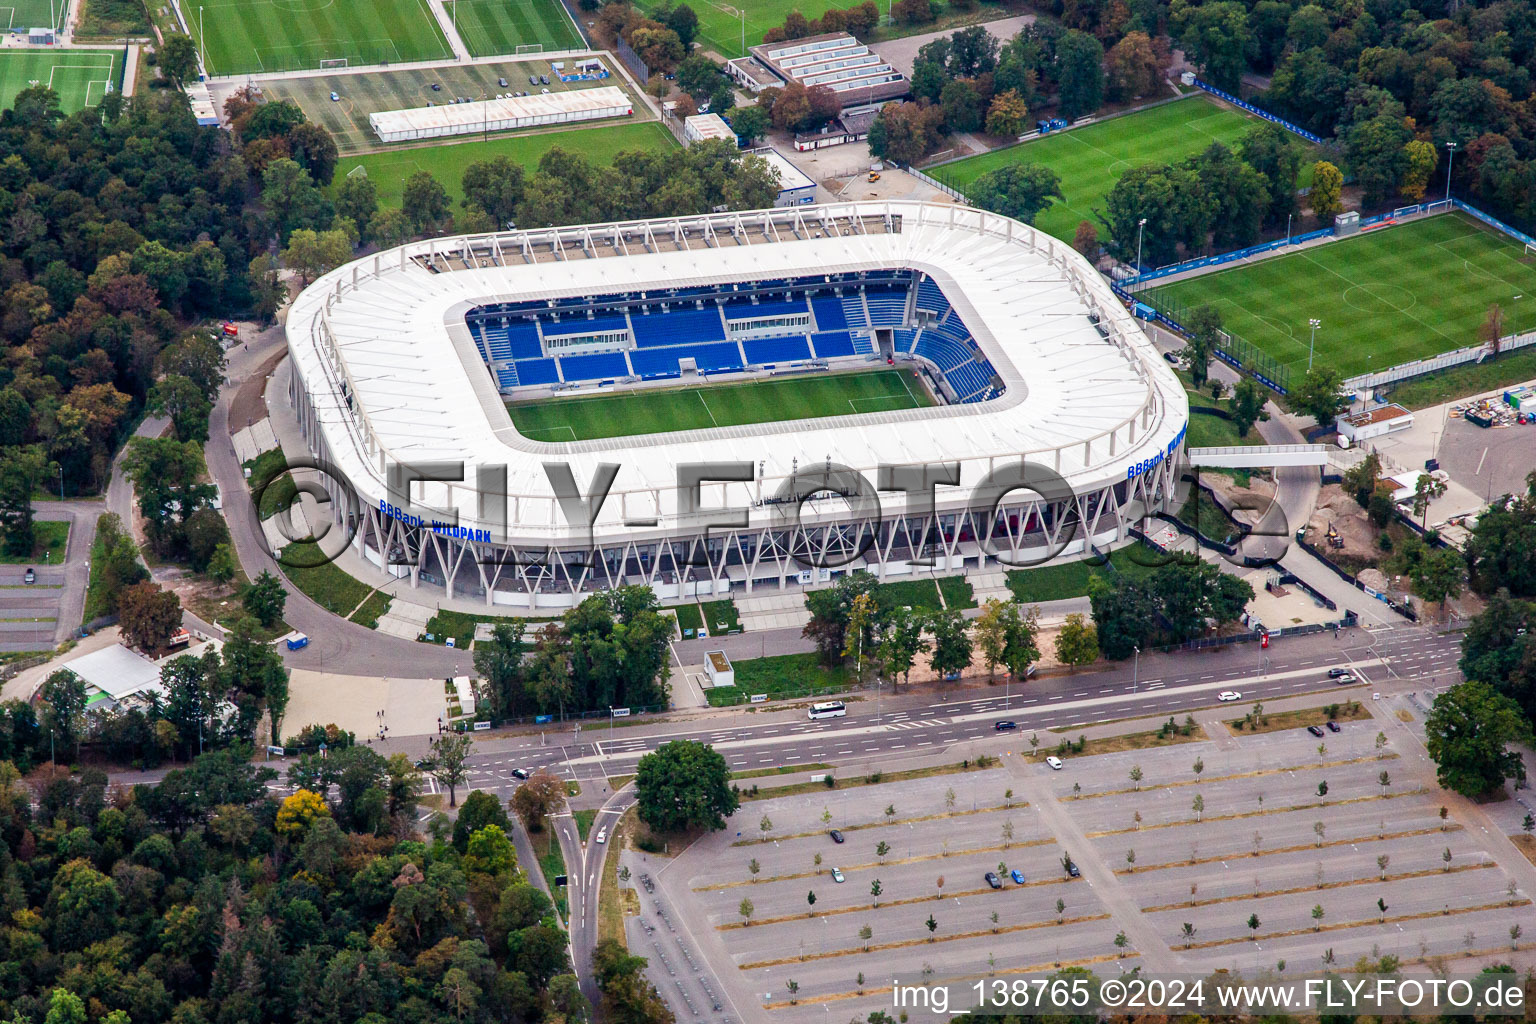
x=1057, y=426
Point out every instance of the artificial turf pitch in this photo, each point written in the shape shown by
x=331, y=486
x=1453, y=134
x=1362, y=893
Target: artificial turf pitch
x=253, y=36
x=719, y=405
x=1389, y=296
x=493, y=27
x=80, y=77
x=721, y=25
x=1091, y=159
x=17, y=15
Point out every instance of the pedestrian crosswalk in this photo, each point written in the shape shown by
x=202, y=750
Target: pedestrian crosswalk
x=923, y=724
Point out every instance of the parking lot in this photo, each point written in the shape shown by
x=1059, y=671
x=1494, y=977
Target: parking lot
x=1275, y=850
x=29, y=614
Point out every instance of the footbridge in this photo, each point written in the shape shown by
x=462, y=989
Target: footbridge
x=1260, y=456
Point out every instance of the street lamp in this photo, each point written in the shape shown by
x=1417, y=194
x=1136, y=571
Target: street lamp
x=1449, y=160
x=1314, y=324
x=1135, y=668
x=61, y=483
x=1139, y=225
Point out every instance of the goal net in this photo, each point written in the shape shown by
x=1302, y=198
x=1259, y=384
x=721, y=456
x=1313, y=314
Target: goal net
x=530, y=48
x=358, y=172
x=333, y=62
x=1530, y=252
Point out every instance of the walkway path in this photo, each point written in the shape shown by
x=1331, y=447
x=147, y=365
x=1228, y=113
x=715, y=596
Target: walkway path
x=450, y=30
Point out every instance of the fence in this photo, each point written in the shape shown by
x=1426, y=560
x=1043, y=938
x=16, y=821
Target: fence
x=1226, y=257
x=1237, y=352
x=1349, y=577
x=631, y=59
x=1256, y=112
x=936, y=183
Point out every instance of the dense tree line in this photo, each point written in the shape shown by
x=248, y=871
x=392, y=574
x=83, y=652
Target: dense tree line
x=203, y=899
x=608, y=651
x=1174, y=603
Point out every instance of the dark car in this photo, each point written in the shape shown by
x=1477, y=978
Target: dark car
x=501, y=82
x=1315, y=730
x=437, y=86
x=993, y=880
x=1334, y=673
x=1334, y=727
x=533, y=79
x=543, y=79
x=30, y=577
x=1073, y=871
x=1005, y=726
x=837, y=836
x=520, y=773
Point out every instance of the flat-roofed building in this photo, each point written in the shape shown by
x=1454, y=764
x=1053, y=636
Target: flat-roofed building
x=504, y=114
x=859, y=76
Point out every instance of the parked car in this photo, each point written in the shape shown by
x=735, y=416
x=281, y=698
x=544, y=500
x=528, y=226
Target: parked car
x=1073, y=871
x=543, y=79
x=1333, y=727
x=1227, y=696
x=335, y=96
x=501, y=82
x=1005, y=725
x=602, y=836
x=520, y=773
x=30, y=577
x=837, y=875
x=1315, y=730
x=993, y=880
x=837, y=836
x=437, y=86
x=533, y=79
x=1054, y=762
x=1017, y=876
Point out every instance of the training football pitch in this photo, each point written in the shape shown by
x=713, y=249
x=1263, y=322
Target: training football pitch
x=16, y=15
x=254, y=36
x=494, y=27
x=447, y=163
x=1391, y=295
x=1090, y=160
x=720, y=24
x=80, y=77
x=346, y=117
x=719, y=405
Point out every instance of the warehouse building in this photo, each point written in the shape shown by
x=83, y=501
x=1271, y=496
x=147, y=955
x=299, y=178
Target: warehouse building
x=500, y=115
x=704, y=127
x=795, y=186
x=860, y=77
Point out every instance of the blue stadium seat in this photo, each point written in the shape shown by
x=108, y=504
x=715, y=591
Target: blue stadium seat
x=714, y=358
x=969, y=378
x=853, y=310
x=931, y=298
x=742, y=309
x=776, y=350
x=829, y=313
x=678, y=327
x=581, y=325
x=516, y=341
x=887, y=307
x=904, y=338
x=506, y=376
x=863, y=345
x=537, y=371
x=830, y=345
x=594, y=367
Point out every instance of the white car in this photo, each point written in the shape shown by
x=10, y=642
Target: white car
x=837, y=875
x=602, y=836
x=1227, y=696
x=1054, y=762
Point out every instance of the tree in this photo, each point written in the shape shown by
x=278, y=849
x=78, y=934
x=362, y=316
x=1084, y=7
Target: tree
x=1327, y=184
x=1318, y=394
x=1317, y=918
x=862, y=616
x=810, y=901
x=1079, y=74
x=682, y=785
x=1248, y=400
x=875, y=890
x=1008, y=114
x=1419, y=159
x=1121, y=941
x=1078, y=642
x=21, y=470
x=1133, y=67
x=1199, y=806
x=745, y=909
x=1271, y=150
x=1020, y=191
x=1204, y=326
x=1374, y=149
x=1215, y=36
x=961, y=105
x=865, y=934
x=148, y=615
x=905, y=132
x=933, y=926
x=292, y=200
x=881, y=849
x=902, y=642
x=1438, y=574
x=1086, y=239
x=424, y=202
x=540, y=796
x=183, y=401
x=1188, y=930
x=449, y=764
x=750, y=123
x=313, y=253
x=951, y=643
x=1468, y=729
x=266, y=598
x=1136, y=776
x=1253, y=922
x=177, y=57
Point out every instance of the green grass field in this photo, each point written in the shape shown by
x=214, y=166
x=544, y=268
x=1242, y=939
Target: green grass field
x=492, y=27
x=80, y=77
x=447, y=163
x=722, y=405
x=24, y=14
x=1090, y=160
x=252, y=36
x=346, y=118
x=1392, y=295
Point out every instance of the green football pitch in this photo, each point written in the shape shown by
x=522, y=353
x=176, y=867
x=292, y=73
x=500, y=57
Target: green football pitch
x=254, y=36
x=721, y=24
x=720, y=405
x=80, y=77
x=16, y=15
x=1091, y=159
x=494, y=27
x=1392, y=295
x=448, y=162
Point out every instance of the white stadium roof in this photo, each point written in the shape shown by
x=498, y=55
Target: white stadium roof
x=392, y=333
x=512, y=111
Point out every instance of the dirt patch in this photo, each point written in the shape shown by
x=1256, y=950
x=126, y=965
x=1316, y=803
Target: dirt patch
x=250, y=402
x=1247, y=504
x=1356, y=533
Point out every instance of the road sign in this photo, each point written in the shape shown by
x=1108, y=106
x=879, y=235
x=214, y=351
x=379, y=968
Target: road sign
x=482, y=726
x=620, y=712
x=543, y=719
x=560, y=880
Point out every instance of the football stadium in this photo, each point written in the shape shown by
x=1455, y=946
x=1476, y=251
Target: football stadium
x=892, y=386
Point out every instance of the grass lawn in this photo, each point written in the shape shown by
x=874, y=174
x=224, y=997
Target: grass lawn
x=1204, y=515
x=1389, y=296
x=48, y=542
x=22, y=14
x=368, y=614
x=447, y=162
x=1070, y=579
x=957, y=592
x=721, y=617
x=1342, y=711
x=920, y=595
x=251, y=36
x=461, y=625
x=324, y=583
x=584, y=819
x=358, y=96
x=689, y=617
x=80, y=77
x=491, y=27
x=1090, y=160
x=1468, y=379
x=546, y=847
x=721, y=405
x=784, y=675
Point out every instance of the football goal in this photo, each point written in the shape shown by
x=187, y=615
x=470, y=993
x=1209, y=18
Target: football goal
x=334, y=62
x=523, y=48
